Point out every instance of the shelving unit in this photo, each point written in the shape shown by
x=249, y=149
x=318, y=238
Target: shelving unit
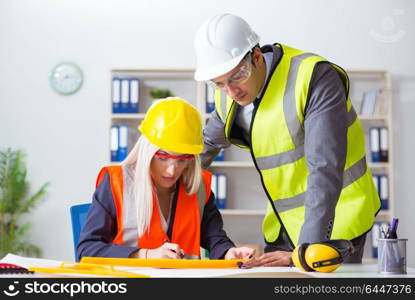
x=247, y=202
x=361, y=81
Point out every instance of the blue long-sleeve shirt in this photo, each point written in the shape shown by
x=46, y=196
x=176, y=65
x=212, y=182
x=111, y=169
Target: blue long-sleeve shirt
x=100, y=228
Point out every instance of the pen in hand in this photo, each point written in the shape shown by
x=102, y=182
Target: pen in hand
x=181, y=255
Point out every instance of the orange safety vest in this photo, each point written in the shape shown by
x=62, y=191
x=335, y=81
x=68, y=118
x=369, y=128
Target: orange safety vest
x=188, y=215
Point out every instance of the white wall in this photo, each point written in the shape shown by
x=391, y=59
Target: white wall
x=66, y=138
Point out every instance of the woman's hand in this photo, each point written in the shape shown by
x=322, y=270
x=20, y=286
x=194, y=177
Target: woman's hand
x=241, y=252
x=167, y=250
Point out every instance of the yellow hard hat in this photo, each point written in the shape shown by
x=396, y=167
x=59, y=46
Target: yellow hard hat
x=323, y=257
x=175, y=125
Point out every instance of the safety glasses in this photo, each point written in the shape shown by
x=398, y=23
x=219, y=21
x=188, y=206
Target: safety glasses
x=238, y=77
x=178, y=160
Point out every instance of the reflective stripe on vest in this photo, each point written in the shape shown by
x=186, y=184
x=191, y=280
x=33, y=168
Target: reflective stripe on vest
x=186, y=227
x=280, y=157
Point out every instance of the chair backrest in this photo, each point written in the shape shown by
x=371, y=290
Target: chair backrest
x=78, y=218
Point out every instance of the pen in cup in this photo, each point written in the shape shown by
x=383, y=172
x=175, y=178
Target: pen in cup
x=391, y=234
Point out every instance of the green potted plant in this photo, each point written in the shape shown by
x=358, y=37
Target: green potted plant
x=158, y=93
x=15, y=201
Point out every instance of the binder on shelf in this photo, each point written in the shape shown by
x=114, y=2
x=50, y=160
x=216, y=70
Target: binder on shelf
x=383, y=144
x=116, y=95
x=375, y=237
x=384, y=192
x=210, y=98
x=369, y=102
x=134, y=95
x=122, y=142
x=221, y=155
x=381, y=107
x=214, y=185
x=374, y=144
x=114, y=143
x=376, y=182
x=222, y=197
x=125, y=95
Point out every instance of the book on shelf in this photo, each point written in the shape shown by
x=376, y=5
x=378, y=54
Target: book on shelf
x=373, y=103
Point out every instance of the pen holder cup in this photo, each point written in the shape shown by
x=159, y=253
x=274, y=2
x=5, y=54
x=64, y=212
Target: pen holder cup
x=392, y=256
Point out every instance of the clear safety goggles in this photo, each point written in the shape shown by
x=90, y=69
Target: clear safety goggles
x=237, y=78
x=180, y=160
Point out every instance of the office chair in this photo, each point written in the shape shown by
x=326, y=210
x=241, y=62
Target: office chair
x=78, y=218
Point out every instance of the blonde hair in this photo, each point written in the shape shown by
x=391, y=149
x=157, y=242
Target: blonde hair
x=140, y=158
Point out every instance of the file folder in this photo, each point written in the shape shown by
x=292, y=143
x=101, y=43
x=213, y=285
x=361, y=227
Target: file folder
x=369, y=102
x=221, y=197
x=125, y=95
x=134, y=95
x=214, y=185
x=374, y=144
x=114, y=142
x=384, y=192
x=221, y=155
x=384, y=144
x=210, y=98
x=116, y=95
x=164, y=263
x=122, y=142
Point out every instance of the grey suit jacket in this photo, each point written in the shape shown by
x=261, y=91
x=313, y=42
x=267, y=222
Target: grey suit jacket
x=325, y=150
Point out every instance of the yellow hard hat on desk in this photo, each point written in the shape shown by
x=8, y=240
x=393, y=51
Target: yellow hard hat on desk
x=175, y=125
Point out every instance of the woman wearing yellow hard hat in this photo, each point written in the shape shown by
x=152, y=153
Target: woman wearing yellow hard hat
x=158, y=202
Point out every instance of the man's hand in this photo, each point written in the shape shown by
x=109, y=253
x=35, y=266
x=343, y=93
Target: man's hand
x=269, y=259
x=241, y=252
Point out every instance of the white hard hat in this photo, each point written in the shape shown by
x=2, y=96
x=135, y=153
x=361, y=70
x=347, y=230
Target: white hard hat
x=221, y=43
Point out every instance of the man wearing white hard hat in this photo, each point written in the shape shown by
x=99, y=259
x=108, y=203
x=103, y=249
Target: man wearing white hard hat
x=291, y=109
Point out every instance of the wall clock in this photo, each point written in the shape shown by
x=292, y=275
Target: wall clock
x=66, y=78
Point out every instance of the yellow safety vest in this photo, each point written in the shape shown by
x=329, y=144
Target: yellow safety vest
x=277, y=146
